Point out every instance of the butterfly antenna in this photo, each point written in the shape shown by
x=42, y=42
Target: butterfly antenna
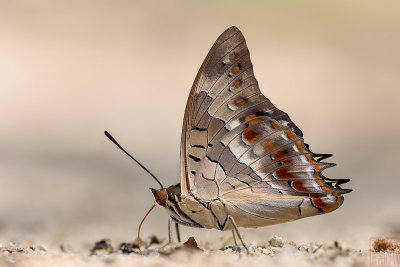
x=120, y=147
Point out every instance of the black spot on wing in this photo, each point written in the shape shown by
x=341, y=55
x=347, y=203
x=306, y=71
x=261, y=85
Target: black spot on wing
x=212, y=160
x=196, y=159
x=198, y=146
x=231, y=185
x=241, y=181
x=300, y=206
x=215, y=161
x=198, y=129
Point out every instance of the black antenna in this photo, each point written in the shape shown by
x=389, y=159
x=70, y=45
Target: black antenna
x=120, y=147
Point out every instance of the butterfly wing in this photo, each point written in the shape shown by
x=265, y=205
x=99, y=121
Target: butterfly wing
x=225, y=74
x=237, y=145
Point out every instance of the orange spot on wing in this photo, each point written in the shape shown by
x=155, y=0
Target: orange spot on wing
x=318, y=202
x=237, y=84
x=325, y=206
x=309, y=158
x=300, y=146
x=249, y=135
x=269, y=144
x=232, y=57
x=323, y=186
x=287, y=161
x=283, y=173
x=240, y=101
x=254, y=122
x=298, y=185
x=290, y=135
x=236, y=69
x=280, y=154
x=275, y=126
x=316, y=170
x=249, y=117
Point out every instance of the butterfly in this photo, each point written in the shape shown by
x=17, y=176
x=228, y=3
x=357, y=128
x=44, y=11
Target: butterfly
x=244, y=162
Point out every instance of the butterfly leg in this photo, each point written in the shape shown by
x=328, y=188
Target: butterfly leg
x=234, y=238
x=177, y=222
x=178, y=234
x=171, y=220
x=237, y=232
x=170, y=230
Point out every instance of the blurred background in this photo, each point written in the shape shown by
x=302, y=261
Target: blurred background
x=71, y=69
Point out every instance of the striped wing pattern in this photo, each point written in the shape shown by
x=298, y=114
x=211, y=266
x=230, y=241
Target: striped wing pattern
x=238, y=147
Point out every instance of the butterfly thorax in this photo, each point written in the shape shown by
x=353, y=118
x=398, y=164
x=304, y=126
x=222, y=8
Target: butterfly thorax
x=190, y=211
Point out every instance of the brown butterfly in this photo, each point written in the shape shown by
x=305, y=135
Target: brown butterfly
x=244, y=162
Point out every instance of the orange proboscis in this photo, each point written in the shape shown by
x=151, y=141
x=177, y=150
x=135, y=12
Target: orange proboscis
x=140, y=226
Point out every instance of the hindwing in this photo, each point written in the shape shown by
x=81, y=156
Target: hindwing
x=236, y=144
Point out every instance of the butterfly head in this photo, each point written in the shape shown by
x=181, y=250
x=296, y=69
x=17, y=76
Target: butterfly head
x=160, y=196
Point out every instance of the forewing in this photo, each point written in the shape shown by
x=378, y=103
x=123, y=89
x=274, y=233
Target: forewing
x=224, y=94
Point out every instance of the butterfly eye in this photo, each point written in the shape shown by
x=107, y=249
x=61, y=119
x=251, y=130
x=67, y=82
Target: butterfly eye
x=161, y=198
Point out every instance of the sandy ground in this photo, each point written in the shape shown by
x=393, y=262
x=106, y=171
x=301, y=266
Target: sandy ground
x=277, y=251
x=316, y=241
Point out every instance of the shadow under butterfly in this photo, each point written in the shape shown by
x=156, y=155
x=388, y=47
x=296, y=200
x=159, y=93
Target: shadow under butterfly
x=244, y=162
